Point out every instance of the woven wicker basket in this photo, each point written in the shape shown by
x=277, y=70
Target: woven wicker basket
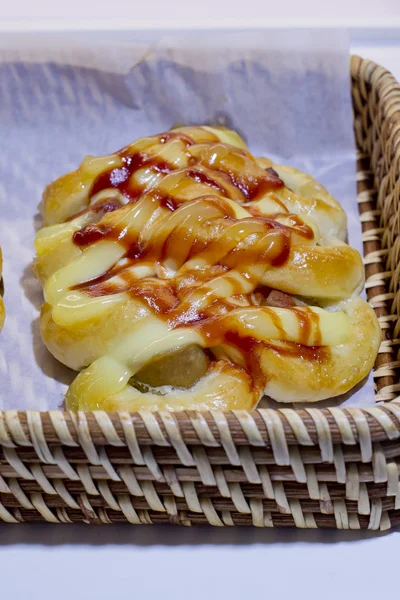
x=268, y=468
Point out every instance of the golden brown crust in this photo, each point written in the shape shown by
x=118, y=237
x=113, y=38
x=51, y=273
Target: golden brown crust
x=327, y=272
x=63, y=198
x=177, y=240
x=224, y=387
x=313, y=199
x=312, y=377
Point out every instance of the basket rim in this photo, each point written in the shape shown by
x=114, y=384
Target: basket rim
x=305, y=426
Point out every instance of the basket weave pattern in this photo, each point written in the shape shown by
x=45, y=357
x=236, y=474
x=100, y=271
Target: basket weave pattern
x=268, y=468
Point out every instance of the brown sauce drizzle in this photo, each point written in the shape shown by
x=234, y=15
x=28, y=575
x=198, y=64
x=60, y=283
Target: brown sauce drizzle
x=176, y=135
x=92, y=283
x=302, y=228
x=318, y=354
x=170, y=298
x=98, y=289
x=282, y=256
x=159, y=297
x=254, y=210
x=253, y=186
x=90, y=234
x=296, y=223
x=201, y=177
x=168, y=202
x=99, y=208
x=309, y=323
x=276, y=322
x=250, y=350
x=119, y=177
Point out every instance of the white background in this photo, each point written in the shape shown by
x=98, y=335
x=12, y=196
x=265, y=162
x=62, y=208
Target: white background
x=63, y=562
x=178, y=12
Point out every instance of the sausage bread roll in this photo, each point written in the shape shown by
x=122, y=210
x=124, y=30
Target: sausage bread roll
x=183, y=273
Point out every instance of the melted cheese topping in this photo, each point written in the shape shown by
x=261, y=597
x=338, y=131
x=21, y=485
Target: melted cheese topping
x=187, y=228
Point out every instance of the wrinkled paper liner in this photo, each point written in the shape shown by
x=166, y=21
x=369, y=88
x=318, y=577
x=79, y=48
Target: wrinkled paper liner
x=286, y=92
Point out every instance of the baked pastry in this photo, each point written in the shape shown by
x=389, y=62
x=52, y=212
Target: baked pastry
x=183, y=273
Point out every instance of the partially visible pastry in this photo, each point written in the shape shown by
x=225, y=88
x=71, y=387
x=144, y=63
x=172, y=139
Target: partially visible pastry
x=183, y=273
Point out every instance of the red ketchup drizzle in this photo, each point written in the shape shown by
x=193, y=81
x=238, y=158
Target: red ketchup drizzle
x=318, y=354
x=201, y=177
x=254, y=186
x=164, y=298
x=90, y=234
x=119, y=177
x=99, y=208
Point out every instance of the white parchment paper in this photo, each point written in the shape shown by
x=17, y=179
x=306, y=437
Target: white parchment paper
x=286, y=92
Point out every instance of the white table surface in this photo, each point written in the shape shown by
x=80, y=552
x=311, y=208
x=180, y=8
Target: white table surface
x=63, y=562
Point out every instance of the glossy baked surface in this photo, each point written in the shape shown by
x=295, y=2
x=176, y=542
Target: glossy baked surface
x=182, y=272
